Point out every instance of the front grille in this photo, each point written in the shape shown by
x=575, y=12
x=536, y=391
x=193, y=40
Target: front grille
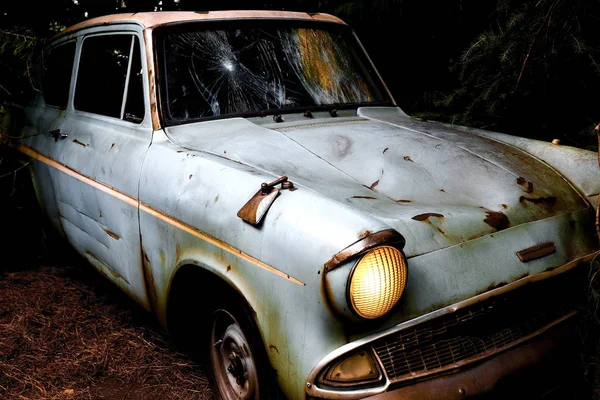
x=479, y=330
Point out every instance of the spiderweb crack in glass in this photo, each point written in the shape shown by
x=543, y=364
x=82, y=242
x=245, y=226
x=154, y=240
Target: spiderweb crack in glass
x=214, y=72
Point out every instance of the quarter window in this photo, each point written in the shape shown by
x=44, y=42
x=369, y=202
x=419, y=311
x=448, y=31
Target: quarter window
x=109, y=80
x=56, y=75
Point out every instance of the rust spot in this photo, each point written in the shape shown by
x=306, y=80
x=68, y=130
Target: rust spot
x=112, y=234
x=504, y=206
x=273, y=347
x=424, y=217
x=228, y=268
x=440, y=231
x=493, y=286
x=364, y=197
x=548, y=201
x=442, y=190
x=162, y=257
x=407, y=158
x=403, y=201
x=527, y=186
x=365, y=234
x=149, y=281
x=497, y=220
x=190, y=177
x=79, y=143
x=525, y=275
x=386, y=149
x=111, y=146
x=216, y=198
x=374, y=184
x=100, y=216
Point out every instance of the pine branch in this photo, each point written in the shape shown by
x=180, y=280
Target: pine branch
x=3, y=88
x=25, y=37
x=532, y=43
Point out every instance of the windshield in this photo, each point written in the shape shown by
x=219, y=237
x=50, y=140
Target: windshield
x=254, y=67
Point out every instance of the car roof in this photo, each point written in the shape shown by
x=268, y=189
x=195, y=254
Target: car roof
x=153, y=19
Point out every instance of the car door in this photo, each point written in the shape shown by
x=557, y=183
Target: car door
x=101, y=141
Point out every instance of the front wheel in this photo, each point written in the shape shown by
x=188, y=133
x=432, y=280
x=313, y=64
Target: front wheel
x=240, y=369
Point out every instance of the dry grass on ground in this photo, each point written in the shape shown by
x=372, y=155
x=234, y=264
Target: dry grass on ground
x=60, y=339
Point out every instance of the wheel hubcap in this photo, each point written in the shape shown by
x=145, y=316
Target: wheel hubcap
x=232, y=361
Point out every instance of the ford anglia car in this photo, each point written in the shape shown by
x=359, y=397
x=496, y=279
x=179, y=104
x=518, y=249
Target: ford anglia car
x=248, y=178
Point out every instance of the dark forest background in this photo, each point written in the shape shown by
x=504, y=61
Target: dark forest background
x=529, y=68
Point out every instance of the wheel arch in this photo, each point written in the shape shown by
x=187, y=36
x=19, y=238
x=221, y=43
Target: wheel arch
x=195, y=284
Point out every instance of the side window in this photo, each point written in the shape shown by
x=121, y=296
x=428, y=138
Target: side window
x=56, y=74
x=109, y=81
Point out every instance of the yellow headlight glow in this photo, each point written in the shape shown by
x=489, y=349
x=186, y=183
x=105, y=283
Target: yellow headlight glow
x=377, y=282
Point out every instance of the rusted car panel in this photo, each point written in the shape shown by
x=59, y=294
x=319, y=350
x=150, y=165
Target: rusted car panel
x=475, y=217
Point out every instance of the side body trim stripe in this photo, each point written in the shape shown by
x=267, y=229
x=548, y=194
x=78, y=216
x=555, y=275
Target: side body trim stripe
x=154, y=212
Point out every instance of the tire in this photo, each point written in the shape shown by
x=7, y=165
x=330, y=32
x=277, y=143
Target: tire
x=239, y=366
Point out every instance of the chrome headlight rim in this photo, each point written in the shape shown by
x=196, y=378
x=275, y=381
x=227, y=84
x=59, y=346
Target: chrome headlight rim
x=361, y=257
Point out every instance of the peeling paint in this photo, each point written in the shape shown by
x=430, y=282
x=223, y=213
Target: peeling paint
x=407, y=158
x=527, y=186
x=112, y=234
x=273, y=347
x=80, y=143
x=426, y=216
x=548, y=201
x=364, y=234
x=497, y=220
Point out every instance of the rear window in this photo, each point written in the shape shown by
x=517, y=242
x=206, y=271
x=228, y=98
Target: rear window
x=56, y=74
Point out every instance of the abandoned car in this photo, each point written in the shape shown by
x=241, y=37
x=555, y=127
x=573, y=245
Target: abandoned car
x=247, y=177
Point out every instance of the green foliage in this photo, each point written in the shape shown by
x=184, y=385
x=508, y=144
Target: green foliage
x=17, y=46
x=535, y=72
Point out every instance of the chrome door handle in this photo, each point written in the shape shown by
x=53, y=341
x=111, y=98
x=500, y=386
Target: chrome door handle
x=56, y=134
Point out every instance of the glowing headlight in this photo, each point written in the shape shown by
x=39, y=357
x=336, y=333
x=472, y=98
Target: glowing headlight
x=377, y=282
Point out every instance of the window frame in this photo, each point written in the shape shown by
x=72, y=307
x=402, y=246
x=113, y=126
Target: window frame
x=53, y=47
x=117, y=29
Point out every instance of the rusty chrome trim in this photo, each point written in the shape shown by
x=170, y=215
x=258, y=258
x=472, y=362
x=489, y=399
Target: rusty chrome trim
x=155, y=213
x=388, y=237
x=365, y=341
x=537, y=251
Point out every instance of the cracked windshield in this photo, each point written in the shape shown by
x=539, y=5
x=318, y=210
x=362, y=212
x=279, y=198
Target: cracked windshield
x=263, y=68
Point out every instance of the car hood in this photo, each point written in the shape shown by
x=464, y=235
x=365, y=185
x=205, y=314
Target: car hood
x=438, y=186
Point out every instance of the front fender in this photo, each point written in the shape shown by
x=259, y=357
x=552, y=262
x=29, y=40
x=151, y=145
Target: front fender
x=192, y=199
